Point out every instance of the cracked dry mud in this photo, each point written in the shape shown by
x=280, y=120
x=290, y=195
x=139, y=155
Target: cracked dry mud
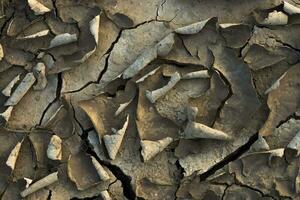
x=150, y=99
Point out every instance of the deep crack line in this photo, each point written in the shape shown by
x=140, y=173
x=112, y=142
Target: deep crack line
x=230, y=94
x=237, y=182
x=231, y=157
x=58, y=94
x=128, y=191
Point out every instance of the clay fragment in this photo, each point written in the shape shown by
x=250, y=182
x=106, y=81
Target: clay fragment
x=290, y=9
x=38, y=7
x=28, y=182
x=275, y=18
x=94, y=27
x=295, y=143
x=1, y=52
x=100, y=170
x=227, y=25
x=17, y=56
x=35, y=35
x=46, y=181
x=7, y=113
x=193, y=28
x=160, y=49
x=142, y=61
x=63, y=39
x=275, y=85
x=243, y=103
x=196, y=74
x=156, y=94
x=272, y=154
x=152, y=148
x=122, y=107
x=283, y=99
x=54, y=151
x=13, y=156
x=21, y=90
x=260, y=145
x=113, y=142
x=105, y=195
x=196, y=130
x=7, y=90
x=48, y=61
x=297, y=183
x=39, y=72
x=165, y=45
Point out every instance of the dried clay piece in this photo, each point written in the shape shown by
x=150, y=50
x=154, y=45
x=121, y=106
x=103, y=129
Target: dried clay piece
x=48, y=180
x=21, y=90
x=152, y=148
x=156, y=94
x=54, y=151
x=13, y=156
x=195, y=130
x=113, y=142
x=100, y=170
x=38, y=7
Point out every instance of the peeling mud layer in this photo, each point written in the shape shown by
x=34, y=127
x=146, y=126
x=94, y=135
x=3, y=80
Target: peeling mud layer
x=150, y=99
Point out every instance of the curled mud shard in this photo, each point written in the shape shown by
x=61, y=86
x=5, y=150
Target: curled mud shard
x=139, y=99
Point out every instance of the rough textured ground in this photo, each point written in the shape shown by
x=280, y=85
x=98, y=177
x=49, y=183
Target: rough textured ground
x=150, y=99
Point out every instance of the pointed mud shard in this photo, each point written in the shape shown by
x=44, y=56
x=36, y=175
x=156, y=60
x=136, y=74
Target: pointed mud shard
x=62, y=39
x=122, y=107
x=275, y=18
x=275, y=85
x=94, y=27
x=7, y=90
x=197, y=74
x=46, y=181
x=1, y=52
x=260, y=145
x=193, y=28
x=227, y=25
x=94, y=30
x=160, y=49
x=21, y=90
x=195, y=130
x=54, y=151
x=290, y=9
x=105, y=195
x=152, y=148
x=38, y=7
x=39, y=72
x=13, y=156
x=297, y=183
x=295, y=143
x=7, y=113
x=100, y=170
x=35, y=35
x=28, y=182
x=113, y=142
x=97, y=144
x=156, y=94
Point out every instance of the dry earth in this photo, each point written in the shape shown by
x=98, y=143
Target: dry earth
x=150, y=99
